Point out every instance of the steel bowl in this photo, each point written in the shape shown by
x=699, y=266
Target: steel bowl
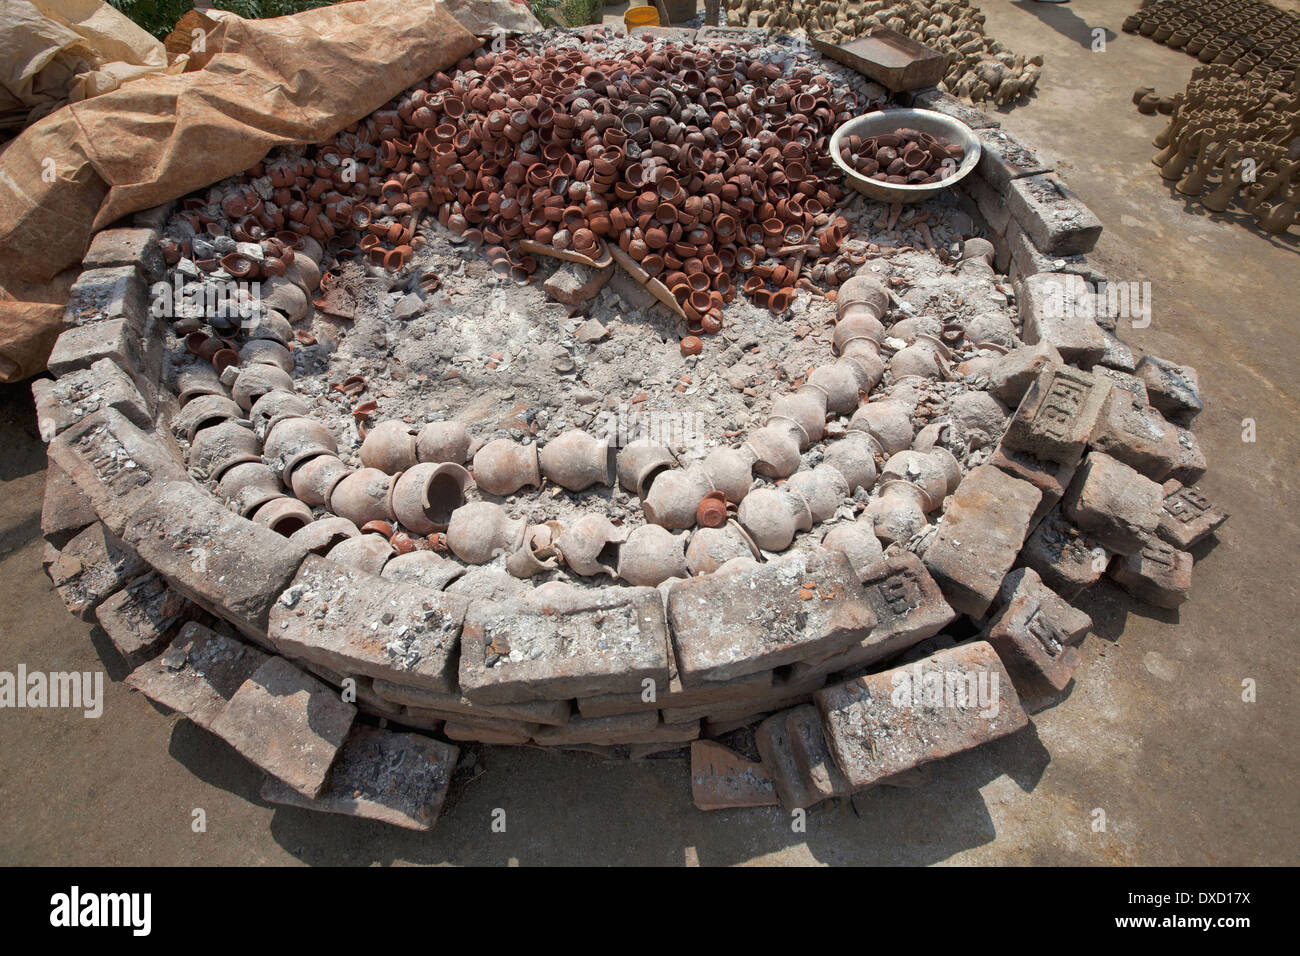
x=888, y=121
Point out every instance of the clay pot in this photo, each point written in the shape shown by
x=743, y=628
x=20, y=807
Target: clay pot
x=314, y=480
x=389, y=447
x=265, y=352
x=538, y=553
x=711, y=548
x=195, y=380
x=272, y=408
x=268, y=324
x=576, y=460
x=255, y=381
x=806, y=410
x=674, y=497
x=898, y=512
x=854, y=457
x=862, y=357
x=823, y=488
x=365, y=552
x=286, y=297
x=640, y=462
x=283, y=515
x=651, y=555
x=425, y=496
x=840, y=384
x=936, y=472
x=922, y=358
x=775, y=448
x=204, y=412
x=293, y=441
x=217, y=449
x=771, y=517
x=502, y=467
x=364, y=495
x=426, y=569
x=321, y=536
x=590, y=545
x=443, y=442
x=887, y=421
x=730, y=470
x=858, y=541
x=481, y=530
x=864, y=290
x=247, y=486
x=861, y=325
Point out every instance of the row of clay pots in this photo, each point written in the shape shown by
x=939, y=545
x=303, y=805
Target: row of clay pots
x=393, y=446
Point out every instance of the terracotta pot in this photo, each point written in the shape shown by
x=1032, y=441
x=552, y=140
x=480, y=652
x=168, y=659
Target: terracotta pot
x=389, y=447
x=590, y=545
x=710, y=548
x=652, y=555
x=247, y=486
x=823, y=488
x=674, y=497
x=426, y=569
x=854, y=457
x=858, y=324
x=839, y=382
x=576, y=460
x=897, y=512
x=268, y=324
x=204, y=412
x=283, y=515
x=775, y=448
x=365, y=552
x=294, y=440
x=640, y=462
x=195, y=380
x=806, y=410
x=272, y=408
x=481, y=530
x=265, y=352
x=862, y=357
x=322, y=535
x=425, y=496
x=887, y=421
x=314, y=480
x=364, y=495
x=217, y=449
x=936, y=472
x=730, y=470
x=502, y=467
x=255, y=381
x=538, y=553
x=858, y=541
x=771, y=516
x=865, y=290
x=443, y=442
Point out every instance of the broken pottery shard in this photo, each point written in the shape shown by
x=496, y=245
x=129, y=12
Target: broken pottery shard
x=886, y=723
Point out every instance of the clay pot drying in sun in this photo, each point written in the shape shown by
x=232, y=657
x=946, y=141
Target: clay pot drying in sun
x=389, y=447
x=771, y=516
x=823, y=489
x=247, y=486
x=775, y=448
x=204, y=412
x=576, y=460
x=538, y=553
x=854, y=457
x=364, y=495
x=321, y=536
x=730, y=470
x=481, y=530
x=502, y=467
x=806, y=410
x=293, y=441
x=283, y=515
x=443, y=442
x=255, y=381
x=217, y=449
x=936, y=473
x=839, y=382
x=314, y=480
x=640, y=462
x=590, y=545
x=858, y=541
x=425, y=496
x=272, y=408
x=674, y=497
x=366, y=552
x=710, y=548
x=652, y=555
x=887, y=421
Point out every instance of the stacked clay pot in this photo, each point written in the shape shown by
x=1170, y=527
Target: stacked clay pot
x=904, y=157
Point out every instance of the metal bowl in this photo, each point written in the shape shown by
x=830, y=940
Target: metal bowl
x=888, y=121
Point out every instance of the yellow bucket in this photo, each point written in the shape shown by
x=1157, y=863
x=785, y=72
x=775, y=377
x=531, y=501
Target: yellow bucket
x=641, y=17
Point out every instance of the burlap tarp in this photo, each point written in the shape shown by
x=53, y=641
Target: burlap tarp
x=267, y=83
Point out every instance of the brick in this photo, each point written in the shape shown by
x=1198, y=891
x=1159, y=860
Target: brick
x=288, y=723
x=116, y=465
x=63, y=402
x=1133, y=432
x=786, y=691
x=1058, y=308
x=1067, y=559
x=226, y=564
x=574, y=283
x=945, y=103
x=395, y=778
x=1054, y=217
x=1122, y=381
x=1118, y=355
x=980, y=534
x=1189, y=464
x=559, y=642
x=804, y=605
x=989, y=203
x=138, y=353
x=1028, y=260
x=722, y=779
x=1174, y=390
x=623, y=728
x=1049, y=477
x=1158, y=573
x=793, y=788
x=1004, y=158
x=1035, y=634
x=355, y=622
x=114, y=290
x=1057, y=415
x=142, y=617
x=65, y=508
x=90, y=567
x=134, y=247
x=677, y=696
x=485, y=735
x=1012, y=374
x=887, y=723
x=453, y=705
x=909, y=607
x=1112, y=502
x=812, y=755
x=198, y=674
x=1187, y=516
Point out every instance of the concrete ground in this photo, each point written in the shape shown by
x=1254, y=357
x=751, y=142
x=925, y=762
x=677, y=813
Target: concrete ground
x=1155, y=735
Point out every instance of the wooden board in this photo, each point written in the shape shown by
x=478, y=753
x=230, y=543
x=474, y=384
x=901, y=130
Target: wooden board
x=890, y=58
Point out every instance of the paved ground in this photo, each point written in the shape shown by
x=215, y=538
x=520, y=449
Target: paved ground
x=1155, y=734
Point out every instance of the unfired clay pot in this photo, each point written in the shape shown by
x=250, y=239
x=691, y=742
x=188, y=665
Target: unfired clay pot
x=365, y=495
x=857, y=539
x=675, y=496
x=640, y=462
x=710, y=548
x=390, y=447
x=314, y=480
x=294, y=440
x=218, y=449
x=771, y=516
x=854, y=457
x=247, y=486
x=652, y=554
x=823, y=488
x=806, y=409
x=425, y=496
x=502, y=467
x=276, y=405
x=840, y=384
x=863, y=357
x=320, y=536
x=863, y=291
x=366, y=552
x=590, y=545
x=481, y=530
x=730, y=470
x=283, y=515
x=887, y=421
x=255, y=381
x=266, y=352
x=443, y=441
x=857, y=327
x=576, y=460
x=775, y=448
x=204, y=412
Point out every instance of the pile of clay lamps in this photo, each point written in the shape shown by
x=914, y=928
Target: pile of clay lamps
x=904, y=156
